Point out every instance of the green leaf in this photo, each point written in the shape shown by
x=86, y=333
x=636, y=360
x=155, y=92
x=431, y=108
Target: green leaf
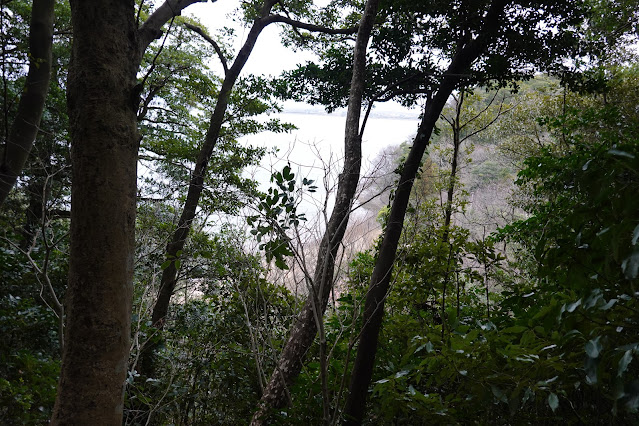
x=608, y=305
x=401, y=374
x=624, y=362
x=165, y=264
x=498, y=394
x=286, y=172
x=553, y=401
x=280, y=263
x=630, y=265
x=593, y=347
x=620, y=153
x=572, y=306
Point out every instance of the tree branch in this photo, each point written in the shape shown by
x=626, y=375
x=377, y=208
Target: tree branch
x=212, y=42
x=152, y=27
x=26, y=123
x=313, y=27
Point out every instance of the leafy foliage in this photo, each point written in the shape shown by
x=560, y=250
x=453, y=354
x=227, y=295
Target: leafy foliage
x=278, y=214
x=216, y=349
x=540, y=330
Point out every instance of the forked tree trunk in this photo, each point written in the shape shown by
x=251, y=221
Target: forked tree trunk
x=102, y=116
x=25, y=125
x=381, y=277
x=305, y=325
x=196, y=186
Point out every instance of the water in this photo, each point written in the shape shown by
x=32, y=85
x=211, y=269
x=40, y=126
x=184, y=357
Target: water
x=318, y=143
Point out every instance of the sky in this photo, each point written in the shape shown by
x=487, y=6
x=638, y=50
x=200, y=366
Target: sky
x=268, y=56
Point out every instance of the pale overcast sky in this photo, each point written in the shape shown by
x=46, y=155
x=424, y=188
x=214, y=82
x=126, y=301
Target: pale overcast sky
x=268, y=56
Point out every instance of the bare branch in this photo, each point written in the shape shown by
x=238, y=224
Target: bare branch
x=59, y=214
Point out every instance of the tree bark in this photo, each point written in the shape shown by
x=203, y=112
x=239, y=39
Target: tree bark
x=102, y=108
x=305, y=326
x=102, y=101
x=456, y=129
x=448, y=209
x=380, y=279
x=27, y=121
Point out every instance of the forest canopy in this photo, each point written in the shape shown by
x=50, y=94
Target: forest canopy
x=485, y=271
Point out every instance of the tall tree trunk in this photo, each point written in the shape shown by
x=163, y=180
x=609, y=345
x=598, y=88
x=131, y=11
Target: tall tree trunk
x=27, y=120
x=380, y=279
x=102, y=107
x=456, y=129
x=102, y=100
x=448, y=208
x=306, y=323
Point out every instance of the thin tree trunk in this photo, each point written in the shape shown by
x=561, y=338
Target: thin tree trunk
x=196, y=186
x=380, y=279
x=448, y=209
x=456, y=129
x=305, y=326
x=27, y=121
x=103, y=127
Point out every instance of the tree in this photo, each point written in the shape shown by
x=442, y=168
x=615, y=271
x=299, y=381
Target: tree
x=583, y=240
x=20, y=137
x=306, y=325
x=261, y=16
x=579, y=245
x=489, y=37
x=102, y=90
x=103, y=97
x=217, y=339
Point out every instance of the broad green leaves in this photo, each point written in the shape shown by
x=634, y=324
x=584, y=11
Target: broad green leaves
x=553, y=401
x=278, y=213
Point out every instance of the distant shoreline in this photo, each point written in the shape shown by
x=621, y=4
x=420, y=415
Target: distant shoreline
x=341, y=112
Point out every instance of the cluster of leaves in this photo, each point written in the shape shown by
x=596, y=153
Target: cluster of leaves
x=178, y=97
x=584, y=241
x=414, y=41
x=437, y=291
x=278, y=214
x=549, y=336
x=32, y=229
x=30, y=355
x=180, y=92
x=562, y=335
